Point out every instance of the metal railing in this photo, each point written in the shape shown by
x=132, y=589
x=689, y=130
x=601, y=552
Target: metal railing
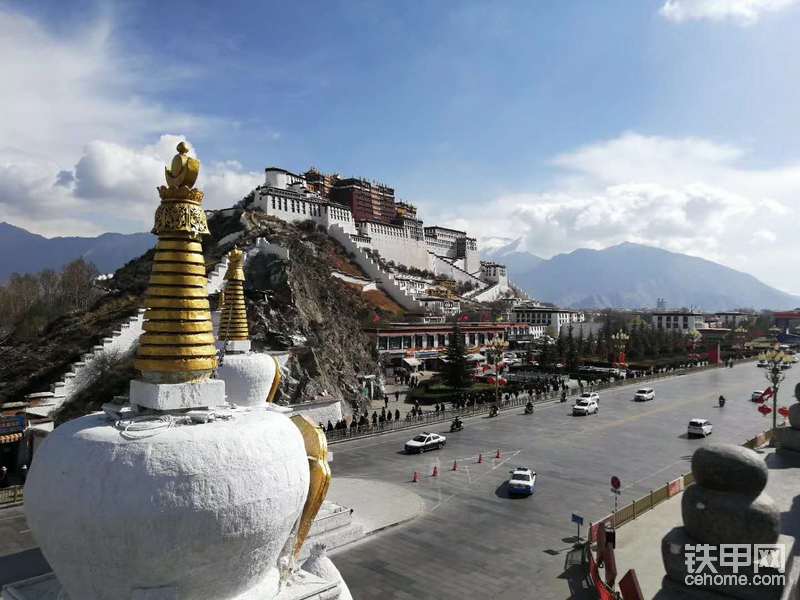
x=472, y=409
x=11, y=495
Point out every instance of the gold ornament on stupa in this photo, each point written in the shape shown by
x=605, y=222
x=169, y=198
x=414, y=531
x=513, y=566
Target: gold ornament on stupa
x=233, y=320
x=178, y=341
x=320, y=476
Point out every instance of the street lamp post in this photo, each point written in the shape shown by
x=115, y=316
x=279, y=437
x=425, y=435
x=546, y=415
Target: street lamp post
x=497, y=345
x=619, y=341
x=775, y=359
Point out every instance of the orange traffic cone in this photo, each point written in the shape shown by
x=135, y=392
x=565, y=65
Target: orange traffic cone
x=415, y=478
x=435, y=471
x=455, y=465
x=480, y=458
x=498, y=453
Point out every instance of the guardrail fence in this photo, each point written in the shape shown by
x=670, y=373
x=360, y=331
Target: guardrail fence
x=472, y=409
x=11, y=495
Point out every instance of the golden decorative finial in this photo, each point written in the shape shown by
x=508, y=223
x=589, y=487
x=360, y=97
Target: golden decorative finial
x=178, y=341
x=317, y=451
x=233, y=320
x=184, y=169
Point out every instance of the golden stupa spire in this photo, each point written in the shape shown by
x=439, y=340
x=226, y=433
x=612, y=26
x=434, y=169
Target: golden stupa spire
x=233, y=319
x=178, y=341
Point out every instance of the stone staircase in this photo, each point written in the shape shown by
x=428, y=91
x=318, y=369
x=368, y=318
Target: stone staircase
x=333, y=527
x=384, y=280
x=82, y=372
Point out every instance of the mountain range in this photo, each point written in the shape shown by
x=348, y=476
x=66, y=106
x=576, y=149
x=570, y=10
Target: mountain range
x=634, y=276
x=623, y=276
x=24, y=252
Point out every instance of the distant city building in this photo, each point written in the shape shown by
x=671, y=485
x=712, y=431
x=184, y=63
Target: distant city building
x=439, y=306
x=547, y=316
x=414, y=344
x=661, y=304
x=493, y=272
x=733, y=319
x=681, y=321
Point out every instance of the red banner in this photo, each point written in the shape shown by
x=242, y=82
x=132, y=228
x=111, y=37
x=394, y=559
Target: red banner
x=675, y=487
x=602, y=591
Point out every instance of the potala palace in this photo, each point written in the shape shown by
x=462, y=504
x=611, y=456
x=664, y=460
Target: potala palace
x=364, y=215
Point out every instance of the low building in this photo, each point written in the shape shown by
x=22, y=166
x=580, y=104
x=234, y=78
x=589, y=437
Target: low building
x=414, y=286
x=492, y=272
x=439, y=305
x=421, y=344
x=549, y=317
x=733, y=319
x=679, y=320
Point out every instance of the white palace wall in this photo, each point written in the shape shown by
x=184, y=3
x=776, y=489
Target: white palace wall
x=393, y=243
x=295, y=208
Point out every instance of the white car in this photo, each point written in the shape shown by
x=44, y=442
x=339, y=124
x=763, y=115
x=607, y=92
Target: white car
x=644, y=394
x=522, y=481
x=585, y=407
x=590, y=396
x=701, y=427
x=756, y=395
x=425, y=441
x=762, y=363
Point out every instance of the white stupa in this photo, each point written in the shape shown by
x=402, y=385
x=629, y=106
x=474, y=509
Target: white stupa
x=179, y=495
x=252, y=378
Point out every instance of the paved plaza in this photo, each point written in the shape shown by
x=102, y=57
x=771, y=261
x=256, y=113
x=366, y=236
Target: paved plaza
x=473, y=541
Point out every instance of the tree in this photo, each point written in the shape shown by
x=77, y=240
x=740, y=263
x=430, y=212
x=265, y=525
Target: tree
x=571, y=351
x=590, y=344
x=456, y=370
x=546, y=354
x=560, y=347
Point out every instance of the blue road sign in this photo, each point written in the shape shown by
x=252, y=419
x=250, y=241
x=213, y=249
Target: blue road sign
x=577, y=519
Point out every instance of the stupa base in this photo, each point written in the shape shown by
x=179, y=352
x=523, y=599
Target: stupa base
x=305, y=586
x=177, y=396
x=786, y=438
x=237, y=346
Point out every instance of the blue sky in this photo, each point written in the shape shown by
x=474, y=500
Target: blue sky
x=556, y=123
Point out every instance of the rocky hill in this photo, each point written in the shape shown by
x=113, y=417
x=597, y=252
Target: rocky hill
x=294, y=305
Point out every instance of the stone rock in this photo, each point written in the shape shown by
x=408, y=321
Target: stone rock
x=320, y=565
x=786, y=438
x=715, y=517
x=725, y=467
x=794, y=415
x=673, y=554
x=205, y=509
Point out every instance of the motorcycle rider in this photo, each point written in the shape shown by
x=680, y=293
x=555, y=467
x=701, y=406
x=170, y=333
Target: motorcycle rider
x=529, y=407
x=721, y=401
x=456, y=424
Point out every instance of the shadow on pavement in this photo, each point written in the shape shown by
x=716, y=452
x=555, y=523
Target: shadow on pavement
x=22, y=565
x=575, y=573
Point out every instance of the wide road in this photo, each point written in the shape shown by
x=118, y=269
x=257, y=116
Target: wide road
x=474, y=542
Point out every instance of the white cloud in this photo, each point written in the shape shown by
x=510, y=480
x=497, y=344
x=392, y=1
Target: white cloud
x=81, y=152
x=686, y=195
x=742, y=12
